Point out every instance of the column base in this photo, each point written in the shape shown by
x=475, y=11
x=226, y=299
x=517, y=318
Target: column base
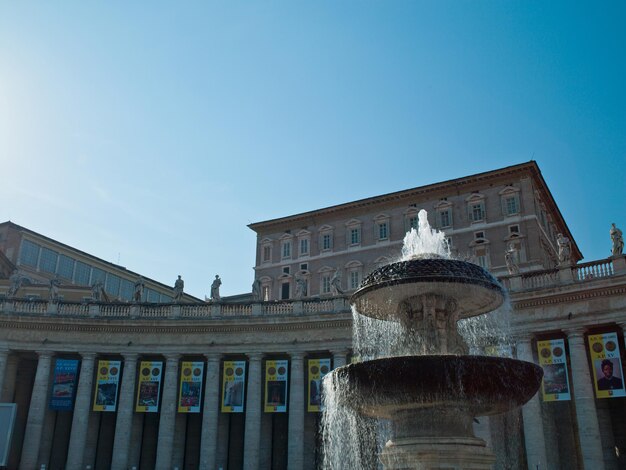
x=449, y=453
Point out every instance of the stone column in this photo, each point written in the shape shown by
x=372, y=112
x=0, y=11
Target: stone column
x=125, y=407
x=36, y=413
x=339, y=358
x=80, y=420
x=4, y=358
x=10, y=376
x=252, y=436
x=210, y=414
x=295, y=446
x=532, y=416
x=165, y=443
x=584, y=400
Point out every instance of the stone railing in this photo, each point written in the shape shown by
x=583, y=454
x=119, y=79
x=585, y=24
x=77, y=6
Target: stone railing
x=173, y=311
x=592, y=270
x=539, y=279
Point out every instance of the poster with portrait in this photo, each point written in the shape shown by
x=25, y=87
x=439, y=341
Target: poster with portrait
x=190, y=390
x=276, y=377
x=553, y=360
x=107, y=386
x=233, y=386
x=318, y=368
x=149, y=387
x=607, y=366
x=64, y=384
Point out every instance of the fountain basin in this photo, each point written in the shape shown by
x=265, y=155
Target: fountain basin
x=472, y=385
x=383, y=291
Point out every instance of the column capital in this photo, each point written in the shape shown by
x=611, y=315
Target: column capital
x=575, y=333
x=130, y=356
x=213, y=357
x=526, y=337
x=43, y=354
x=255, y=356
x=297, y=355
x=88, y=355
x=172, y=357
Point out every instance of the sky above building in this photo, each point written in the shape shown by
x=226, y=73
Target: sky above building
x=151, y=133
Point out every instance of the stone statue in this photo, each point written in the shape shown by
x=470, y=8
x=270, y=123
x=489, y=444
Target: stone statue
x=564, y=249
x=617, y=239
x=256, y=290
x=96, y=290
x=335, y=284
x=179, y=286
x=139, y=285
x=53, y=291
x=16, y=283
x=215, y=288
x=510, y=257
x=300, y=288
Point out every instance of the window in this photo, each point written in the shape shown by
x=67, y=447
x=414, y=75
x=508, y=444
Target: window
x=482, y=259
x=326, y=245
x=113, y=285
x=81, y=273
x=354, y=279
x=479, y=236
x=284, y=291
x=29, y=253
x=445, y=218
x=413, y=223
x=304, y=246
x=326, y=284
x=267, y=253
x=383, y=229
x=286, y=270
x=126, y=289
x=510, y=200
x=97, y=275
x=304, y=266
x=48, y=260
x=66, y=267
x=151, y=296
x=511, y=206
x=266, y=293
x=355, y=236
x=443, y=214
x=477, y=212
x=514, y=229
x=286, y=249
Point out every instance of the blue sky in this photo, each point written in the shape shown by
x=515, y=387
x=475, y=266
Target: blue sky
x=153, y=132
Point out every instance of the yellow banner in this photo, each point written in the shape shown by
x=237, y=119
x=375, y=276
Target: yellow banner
x=148, y=387
x=276, y=376
x=607, y=365
x=552, y=358
x=233, y=386
x=190, y=389
x=107, y=384
x=318, y=368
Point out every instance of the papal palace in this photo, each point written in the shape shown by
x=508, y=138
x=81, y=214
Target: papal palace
x=101, y=367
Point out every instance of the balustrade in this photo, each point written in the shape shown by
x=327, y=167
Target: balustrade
x=592, y=270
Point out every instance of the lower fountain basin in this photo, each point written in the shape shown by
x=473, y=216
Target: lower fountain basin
x=477, y=385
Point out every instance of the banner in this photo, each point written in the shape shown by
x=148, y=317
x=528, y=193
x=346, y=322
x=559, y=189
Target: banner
x=190, y=390
x=552, y=358
x=276, y=377
x=64, y=385
x=233, y=386
x=107, y=385
x=318, y=368
x=607, y=365
x=149, y=387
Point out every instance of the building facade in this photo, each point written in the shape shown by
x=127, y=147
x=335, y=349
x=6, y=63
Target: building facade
x=253, y=403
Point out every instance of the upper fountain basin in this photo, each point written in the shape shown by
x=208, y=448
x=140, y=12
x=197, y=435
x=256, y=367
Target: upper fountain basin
x=473, y=288
x=481, y=385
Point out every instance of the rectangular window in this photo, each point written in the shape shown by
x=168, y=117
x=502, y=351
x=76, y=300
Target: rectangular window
x=326, y=241
x=413, y=223
x=325, y=284
x=481, y=258
x=304, y=266
x=477, y=212
x=126, y=289
x=48, y=260
x=97, y=274
x=445, y=218
x=151, y=296
x=66, y=267
x=514, y=229
x=286, y=249
x=355, y=236
x=383, y=231
x=165, y=299
x=354, y=279
x=81, y=274
x=267, y=253
x=113, y=285
x=29, y=253
x=511, y=205
x=266, y=293
x=304, y=246
x=284, y=291
x=285, y=269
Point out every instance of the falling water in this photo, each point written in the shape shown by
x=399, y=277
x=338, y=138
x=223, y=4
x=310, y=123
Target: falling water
x=424, y=240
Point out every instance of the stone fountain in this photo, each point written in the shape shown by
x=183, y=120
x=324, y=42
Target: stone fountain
x=432, y=396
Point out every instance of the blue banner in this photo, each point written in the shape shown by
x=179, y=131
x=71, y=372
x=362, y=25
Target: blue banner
x=64, y=385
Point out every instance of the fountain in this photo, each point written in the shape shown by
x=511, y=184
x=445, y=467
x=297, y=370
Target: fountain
x=425, y=385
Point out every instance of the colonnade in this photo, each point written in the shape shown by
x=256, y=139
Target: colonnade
x=122, y=455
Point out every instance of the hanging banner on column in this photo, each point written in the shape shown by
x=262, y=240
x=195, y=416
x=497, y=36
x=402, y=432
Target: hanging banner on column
x=607, y=365
x=276, y=377
x=233, y=386
x=190, y=390
x=318, y=368
x=64, y=385
x=552, y=358
x=107, y=384
x=149, y=387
